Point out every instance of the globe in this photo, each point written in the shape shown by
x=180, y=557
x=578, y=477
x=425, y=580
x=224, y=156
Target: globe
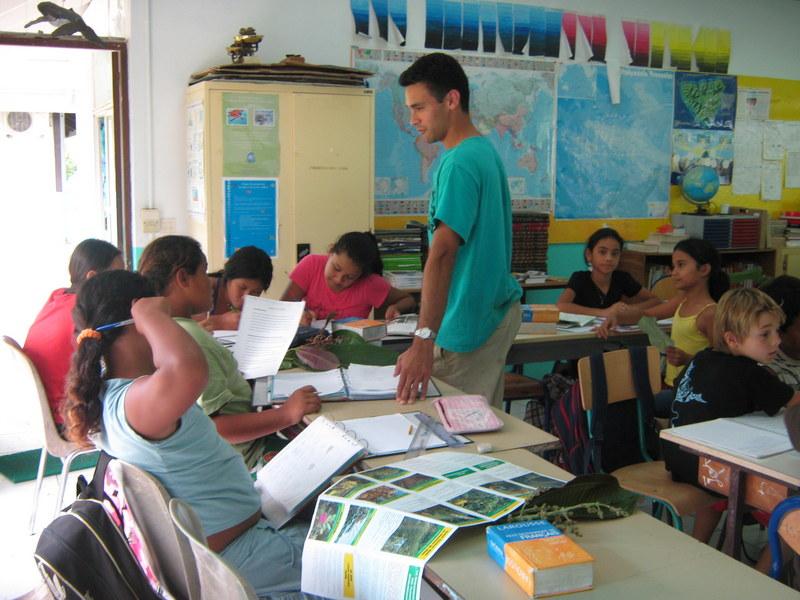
x=699, y=184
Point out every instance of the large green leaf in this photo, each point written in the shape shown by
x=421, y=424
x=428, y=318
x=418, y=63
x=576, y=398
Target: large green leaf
x=349, y=348
x=586, y=498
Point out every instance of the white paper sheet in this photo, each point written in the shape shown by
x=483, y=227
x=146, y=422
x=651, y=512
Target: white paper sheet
x=771, y=180
x=736, y=437
x=327, y=383
x=266, y=330
x=752, y=104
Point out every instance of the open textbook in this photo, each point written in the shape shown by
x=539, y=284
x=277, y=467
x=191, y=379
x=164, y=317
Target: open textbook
x=304, y=467
x=356, y=382
x=373, y=532
x=755, y=435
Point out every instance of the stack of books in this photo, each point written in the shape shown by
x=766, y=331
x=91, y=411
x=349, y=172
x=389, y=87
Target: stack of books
x=792, y=231
x=404, y=280
x=539, y=319
x=529, y=241
x=658, y=243
x=402, y=249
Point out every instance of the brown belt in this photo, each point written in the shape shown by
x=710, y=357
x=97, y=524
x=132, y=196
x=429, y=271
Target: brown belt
x=220, y=540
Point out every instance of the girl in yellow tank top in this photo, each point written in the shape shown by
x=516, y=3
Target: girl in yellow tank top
x=700, y=281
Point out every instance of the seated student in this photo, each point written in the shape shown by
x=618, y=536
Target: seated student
x=51, y=339
x=728, y=381
x=346, y=282
x=698, y=276
x=176, y=267
x=785, y=290
x=603, y=291
x=141, y=409
x=248, y=272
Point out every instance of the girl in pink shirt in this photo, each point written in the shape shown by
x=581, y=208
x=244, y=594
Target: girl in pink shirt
x=347, y=282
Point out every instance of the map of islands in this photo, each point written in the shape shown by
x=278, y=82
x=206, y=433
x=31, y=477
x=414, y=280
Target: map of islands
x=512, y=107
x=613, y=160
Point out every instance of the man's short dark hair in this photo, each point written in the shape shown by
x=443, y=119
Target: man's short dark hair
x=441, y=73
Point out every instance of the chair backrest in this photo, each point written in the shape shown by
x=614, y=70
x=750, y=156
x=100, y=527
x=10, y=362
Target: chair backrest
x=26, y=370
x=618, y=376
x=149, y=502
x=784, y=523
x=217, y=579
x=664, y=288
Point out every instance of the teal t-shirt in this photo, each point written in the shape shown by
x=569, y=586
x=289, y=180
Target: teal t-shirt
x=470, y=194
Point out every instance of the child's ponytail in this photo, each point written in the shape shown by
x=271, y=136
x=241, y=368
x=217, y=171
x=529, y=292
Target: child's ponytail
x=104, y=299
x=704, y=253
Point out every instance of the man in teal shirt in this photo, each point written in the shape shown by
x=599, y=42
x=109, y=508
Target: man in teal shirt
x=469, y=313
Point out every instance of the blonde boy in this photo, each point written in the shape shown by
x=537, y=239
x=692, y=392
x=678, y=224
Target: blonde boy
x=729, y=380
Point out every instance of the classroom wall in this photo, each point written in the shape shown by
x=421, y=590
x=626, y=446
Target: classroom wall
x=169, y=39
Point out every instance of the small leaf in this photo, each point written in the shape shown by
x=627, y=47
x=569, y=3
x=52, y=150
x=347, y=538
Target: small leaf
x=316, y=358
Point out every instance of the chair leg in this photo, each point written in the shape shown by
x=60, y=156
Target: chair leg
x=62, y=486
x=38, y=487
x=507, y=406
x=675, y=518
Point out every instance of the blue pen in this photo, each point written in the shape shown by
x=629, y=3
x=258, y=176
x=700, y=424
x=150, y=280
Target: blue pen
x=115, y=325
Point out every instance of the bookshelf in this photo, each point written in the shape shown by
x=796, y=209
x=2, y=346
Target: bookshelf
x=644, y=266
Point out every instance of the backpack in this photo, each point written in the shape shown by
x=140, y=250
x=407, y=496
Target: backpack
x=612, y=444
x=83, y=553
x=568, y=424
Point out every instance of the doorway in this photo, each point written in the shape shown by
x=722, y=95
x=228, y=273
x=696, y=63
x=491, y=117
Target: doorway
x=64, y=171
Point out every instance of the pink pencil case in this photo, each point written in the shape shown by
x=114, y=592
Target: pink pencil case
x=466, y=414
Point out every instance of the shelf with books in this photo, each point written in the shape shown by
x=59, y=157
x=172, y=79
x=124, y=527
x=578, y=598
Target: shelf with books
x=648, y=267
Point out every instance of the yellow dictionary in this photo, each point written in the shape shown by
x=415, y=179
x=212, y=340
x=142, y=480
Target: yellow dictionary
x=539, y=558
x=539, y=318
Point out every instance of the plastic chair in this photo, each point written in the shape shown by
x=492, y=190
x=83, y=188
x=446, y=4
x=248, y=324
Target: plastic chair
x=53, y=442
x=784, y=523
x=649, y=478
x=169, y=548
x=664, y=288
x=217, y=579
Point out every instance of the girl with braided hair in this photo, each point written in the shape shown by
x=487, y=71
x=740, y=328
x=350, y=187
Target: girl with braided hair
x=132, y=390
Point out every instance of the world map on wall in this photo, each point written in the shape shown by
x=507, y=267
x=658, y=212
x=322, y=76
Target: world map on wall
x=512, y=107
x=613, y=160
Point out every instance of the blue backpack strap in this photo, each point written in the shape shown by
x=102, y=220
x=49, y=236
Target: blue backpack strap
x=599, y=410
x=645, y=403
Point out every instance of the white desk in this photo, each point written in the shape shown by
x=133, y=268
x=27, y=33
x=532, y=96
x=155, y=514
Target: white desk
x=515, y=433
x=637, y=557
x=760, y=483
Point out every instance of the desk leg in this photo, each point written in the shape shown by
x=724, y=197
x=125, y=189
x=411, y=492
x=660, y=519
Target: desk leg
x=733, y=527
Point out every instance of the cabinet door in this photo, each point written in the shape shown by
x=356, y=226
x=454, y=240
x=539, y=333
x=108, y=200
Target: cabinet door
x=791, y=262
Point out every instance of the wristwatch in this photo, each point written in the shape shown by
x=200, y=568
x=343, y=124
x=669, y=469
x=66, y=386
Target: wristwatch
x=425, y=333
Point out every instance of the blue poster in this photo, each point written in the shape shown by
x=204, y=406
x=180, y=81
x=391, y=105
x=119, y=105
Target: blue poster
x=704, y=101
x=251, y=214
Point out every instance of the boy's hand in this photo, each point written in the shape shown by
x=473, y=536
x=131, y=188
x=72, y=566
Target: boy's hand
x=677, y=357
x=302, y=401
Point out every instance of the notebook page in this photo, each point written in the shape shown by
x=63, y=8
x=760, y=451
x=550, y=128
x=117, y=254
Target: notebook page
x=363, y=379
x=762, y=420
x=327, y=383
x=735, y=437
x=266, y=330
x=389, y=434
x=305, y=465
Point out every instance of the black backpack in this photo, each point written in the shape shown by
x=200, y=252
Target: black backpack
x=614, y=441
x=84, y=554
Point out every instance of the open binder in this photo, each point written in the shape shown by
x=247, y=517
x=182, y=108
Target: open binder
x=300, y=471
x=356, y=382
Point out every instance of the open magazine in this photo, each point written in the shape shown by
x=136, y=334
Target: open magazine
x=373, y=532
